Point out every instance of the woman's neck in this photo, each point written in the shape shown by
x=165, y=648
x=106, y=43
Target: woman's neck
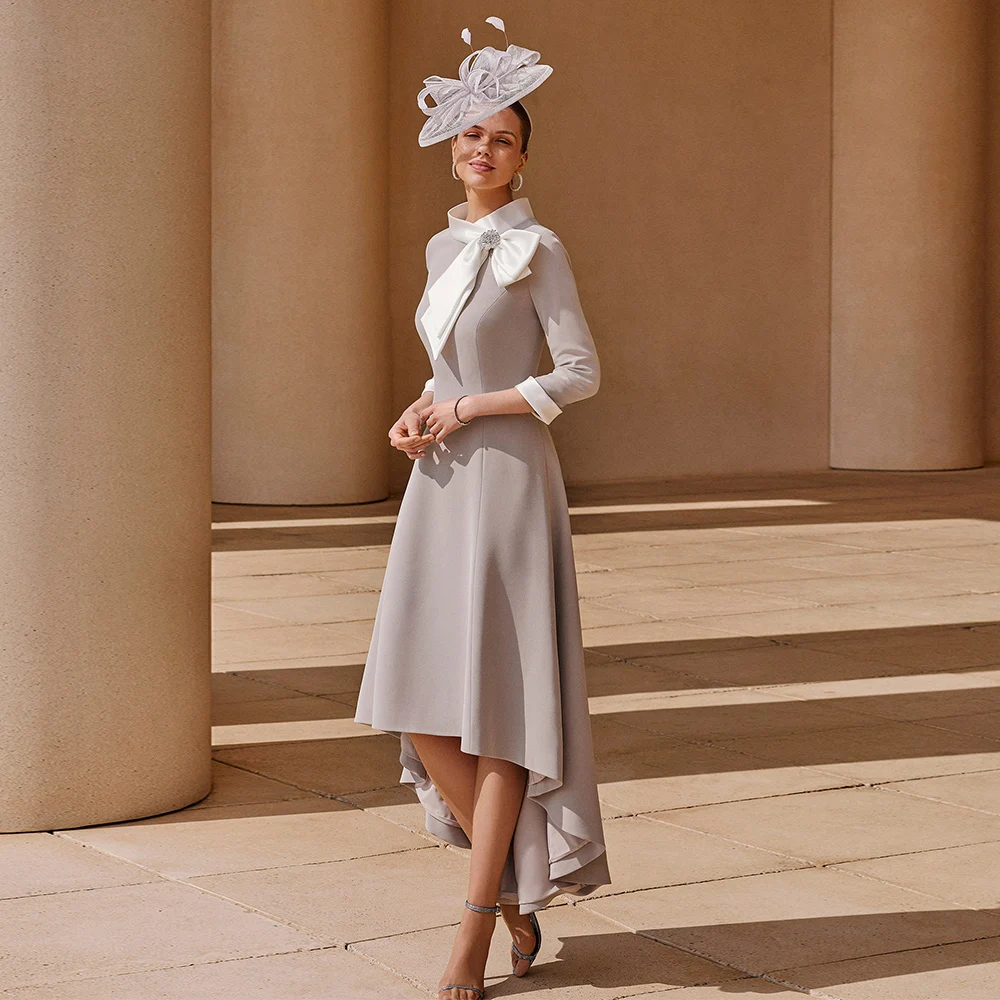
x=483, y=202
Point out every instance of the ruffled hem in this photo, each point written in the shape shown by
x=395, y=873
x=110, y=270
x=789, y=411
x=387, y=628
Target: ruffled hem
x=546, y=858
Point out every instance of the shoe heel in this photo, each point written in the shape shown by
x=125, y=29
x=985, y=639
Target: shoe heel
x=517, y=956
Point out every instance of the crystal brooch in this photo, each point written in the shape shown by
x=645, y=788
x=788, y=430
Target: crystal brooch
x=490, y=239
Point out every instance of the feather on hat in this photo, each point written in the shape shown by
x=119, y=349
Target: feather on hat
x=489, y=80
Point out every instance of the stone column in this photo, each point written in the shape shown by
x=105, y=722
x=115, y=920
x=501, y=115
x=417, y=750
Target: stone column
x=104, y=411
x=301, y=358
x=908, y=236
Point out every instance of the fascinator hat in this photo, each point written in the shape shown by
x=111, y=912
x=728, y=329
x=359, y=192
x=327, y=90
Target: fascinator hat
x=488, y=81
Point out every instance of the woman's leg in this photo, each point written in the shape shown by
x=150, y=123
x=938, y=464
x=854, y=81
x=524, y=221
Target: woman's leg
x=453, y=772
x=485, y=793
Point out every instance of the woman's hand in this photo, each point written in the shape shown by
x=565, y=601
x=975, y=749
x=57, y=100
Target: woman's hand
x=440, y=418
x=405, y=434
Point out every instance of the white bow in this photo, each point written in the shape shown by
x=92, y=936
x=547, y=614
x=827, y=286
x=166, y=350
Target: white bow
x=512, y=249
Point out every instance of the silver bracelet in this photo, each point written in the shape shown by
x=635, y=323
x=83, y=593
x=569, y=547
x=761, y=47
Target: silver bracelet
x=457, y=417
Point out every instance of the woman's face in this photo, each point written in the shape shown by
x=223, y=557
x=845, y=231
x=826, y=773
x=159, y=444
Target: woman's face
x=495, y=142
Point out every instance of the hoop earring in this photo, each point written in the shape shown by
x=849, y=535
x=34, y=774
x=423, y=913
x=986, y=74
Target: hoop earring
x=453, y=174
x=520, y=182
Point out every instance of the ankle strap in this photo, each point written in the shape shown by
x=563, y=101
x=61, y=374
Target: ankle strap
x=484, y=909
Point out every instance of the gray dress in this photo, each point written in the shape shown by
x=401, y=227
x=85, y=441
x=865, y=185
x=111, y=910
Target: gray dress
x=477, y=630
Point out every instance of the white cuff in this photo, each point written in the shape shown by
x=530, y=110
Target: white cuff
x=429, y=385
x=542, y=404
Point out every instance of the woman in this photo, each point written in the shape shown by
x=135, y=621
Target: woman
x=476, y=657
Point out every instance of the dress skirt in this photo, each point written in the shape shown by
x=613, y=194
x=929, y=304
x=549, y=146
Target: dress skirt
x=477, y=632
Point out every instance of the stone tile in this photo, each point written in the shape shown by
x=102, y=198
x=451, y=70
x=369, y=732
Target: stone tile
x=280, y=642
x=964, y=876
x=851, y=518
x=308, y=675
x=748, y=548
x=717, y=715
x=232, y=786
x=887, y=751
x=227, y=619
x=360, y=628
x=328, y=767
x=625, y=679
x=967, y=971
x=759, y=923
x=311, y=609
x=303, y=975
x=233, y=689
x=188, y=843
x=873, y=563
x=772, y=664
x=333, y=901
x=956, y=609
x=648, y=638
x=299, y=560
x=980, y=790
x=880, y=587
x=114, y=931
x=675, y=777
x=596, y=614
x=648, y=854
x=252, y=588
x=613, y=581
x=396, y=804
x=750, y=986
x=987, y=554
x=662, y=639
x=889, y=539
x=668, y=536
x=735, y=574
x=582, y=956
x=919, y=649
x=695, y=602
x=836, y=825
x=34, y=864
x=617, y=749
x=984, y=724
x=799, y=621
x=359, y=579
x=280, y=720
x=909, y=696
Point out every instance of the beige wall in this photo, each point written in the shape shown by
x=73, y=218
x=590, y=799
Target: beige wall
x=682, y=151
x=993, y=231
x=300, y=345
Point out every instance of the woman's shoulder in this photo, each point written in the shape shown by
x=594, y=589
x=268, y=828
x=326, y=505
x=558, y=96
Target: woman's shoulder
x=548, y=237
x=437, y=239
x=551, y=252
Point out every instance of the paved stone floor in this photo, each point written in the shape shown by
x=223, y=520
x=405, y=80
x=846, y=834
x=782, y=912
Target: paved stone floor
x=795, y=691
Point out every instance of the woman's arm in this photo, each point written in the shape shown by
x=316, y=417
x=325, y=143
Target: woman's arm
x=577, y=371
x=502, y=401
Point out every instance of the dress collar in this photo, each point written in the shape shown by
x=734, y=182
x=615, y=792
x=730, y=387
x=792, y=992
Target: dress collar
x=501, y=219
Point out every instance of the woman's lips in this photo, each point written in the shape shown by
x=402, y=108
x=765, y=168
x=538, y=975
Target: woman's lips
x=481, y=167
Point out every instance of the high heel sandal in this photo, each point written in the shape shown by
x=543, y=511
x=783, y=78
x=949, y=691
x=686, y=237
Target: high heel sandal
x=475, y=989
x=519, y=954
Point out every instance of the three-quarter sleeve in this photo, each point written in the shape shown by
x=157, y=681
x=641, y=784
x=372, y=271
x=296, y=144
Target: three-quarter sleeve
x=577, y=371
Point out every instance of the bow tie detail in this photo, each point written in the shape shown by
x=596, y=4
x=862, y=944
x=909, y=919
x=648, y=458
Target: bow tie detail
x=510, y=251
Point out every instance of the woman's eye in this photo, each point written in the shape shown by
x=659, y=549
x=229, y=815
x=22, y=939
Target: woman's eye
x=475, y=135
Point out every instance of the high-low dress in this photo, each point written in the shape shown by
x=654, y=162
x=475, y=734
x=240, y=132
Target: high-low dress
x=477, y=630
